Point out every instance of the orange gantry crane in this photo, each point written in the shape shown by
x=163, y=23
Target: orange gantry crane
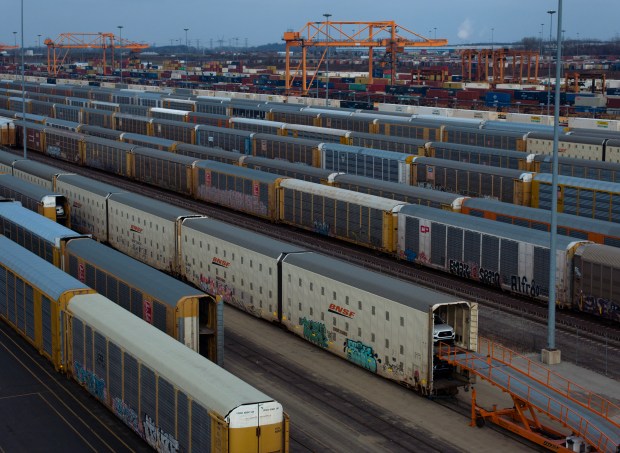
x=58, y=50
x=522, y=65
x=4, y=47
x=371, y=35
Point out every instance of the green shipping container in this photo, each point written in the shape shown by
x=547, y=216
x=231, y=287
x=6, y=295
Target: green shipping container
x=357, y=87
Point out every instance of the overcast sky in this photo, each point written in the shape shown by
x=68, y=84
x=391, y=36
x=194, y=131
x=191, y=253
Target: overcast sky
x=263, y=21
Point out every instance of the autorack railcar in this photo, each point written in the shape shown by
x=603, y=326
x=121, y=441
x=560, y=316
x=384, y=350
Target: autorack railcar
x=181, y=311
x=577, y=196
x=505, y=256
x=116, y=356
x=46, y=202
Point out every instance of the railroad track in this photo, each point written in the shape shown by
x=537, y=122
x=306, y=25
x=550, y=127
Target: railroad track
x=594, y=330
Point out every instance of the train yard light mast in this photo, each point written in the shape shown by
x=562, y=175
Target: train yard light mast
x=327, y=16
x=551, y=355
x=120, y=41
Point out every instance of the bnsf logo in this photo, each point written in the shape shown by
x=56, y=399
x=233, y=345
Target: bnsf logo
x=337, y=309
x=220, y=262
x=136, y=229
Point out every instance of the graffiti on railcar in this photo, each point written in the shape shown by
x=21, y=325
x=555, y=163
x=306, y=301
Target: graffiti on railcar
x=315, y=332
x=93, y=383
x=127, y=415
x=521, y=285
x=600, y=307
x=489, y=277
x=157, y=438
x=361, y=354
x=321, y=227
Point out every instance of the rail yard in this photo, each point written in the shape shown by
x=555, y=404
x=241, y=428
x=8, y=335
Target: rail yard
x=238, y=265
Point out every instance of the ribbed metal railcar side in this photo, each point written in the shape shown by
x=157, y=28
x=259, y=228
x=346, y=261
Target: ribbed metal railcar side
x=583, y=197
x=494, y=157
x=37, y=173
x=88, y=200
x=384, y=324
x=132, y=123
x=181, y=311
x=17, y=104
x=400, y=192
x=612, y=151
x=97, y=117
x=103, y=132
x=390, y=143
x=225, y=138
x=46, y=202
x=68, y=112
x=146, y=229
x=599, y=231
x=35, y=296
x=596, y=281
x=42, y=108
x=210, y=119
x=169, y=114
x=65, y=145
x=211, y=106
x=174, y=130
x=582, y=147
x=35, y=134
x=204, y=153
x=109, y=155
x=40, y=235
x=258, y=125
x=376, y=164
x=163, y=169
x=408, y=128
x=578, y=168
x=102, y=102
x=239, y=265
x=162, y=144
x=504, y=184
x=505, y=256
x=488, y=138
x=354, y=217
x=295, y=115
x=134, y=369
x=7, y=160
x=63, y=124
x=286, y=168
x=287, y=148
x=187, y=105
x=242, y=189
x=133, y=109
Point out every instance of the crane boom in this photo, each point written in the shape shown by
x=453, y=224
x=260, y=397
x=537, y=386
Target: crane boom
x=58, y=50
x=371, y=35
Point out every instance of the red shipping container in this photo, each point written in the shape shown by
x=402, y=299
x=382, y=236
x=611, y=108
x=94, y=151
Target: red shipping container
x=373, y=88
x=467, y=95
x=613, y=101
x=441, y=94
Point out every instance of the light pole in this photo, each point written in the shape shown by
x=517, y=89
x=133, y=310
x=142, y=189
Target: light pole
x=542, y=36
x=435, y=28
x=492, y=32
x=327, y=16
x=551, y=12
x=577, y=43
x=39, y=35
x=15, y=52
x=120, y=41
x=551, y=354
x=186, y=47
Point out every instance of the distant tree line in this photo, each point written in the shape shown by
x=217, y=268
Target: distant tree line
x=573, y=46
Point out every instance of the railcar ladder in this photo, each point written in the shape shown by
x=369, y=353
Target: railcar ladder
x=536, y=389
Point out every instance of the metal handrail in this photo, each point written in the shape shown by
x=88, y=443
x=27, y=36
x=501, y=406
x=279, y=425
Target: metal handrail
x=562, y=413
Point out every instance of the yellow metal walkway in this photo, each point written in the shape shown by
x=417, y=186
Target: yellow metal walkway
x=535, y=389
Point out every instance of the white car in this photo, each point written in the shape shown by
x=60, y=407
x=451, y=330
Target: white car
x=441, y=330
